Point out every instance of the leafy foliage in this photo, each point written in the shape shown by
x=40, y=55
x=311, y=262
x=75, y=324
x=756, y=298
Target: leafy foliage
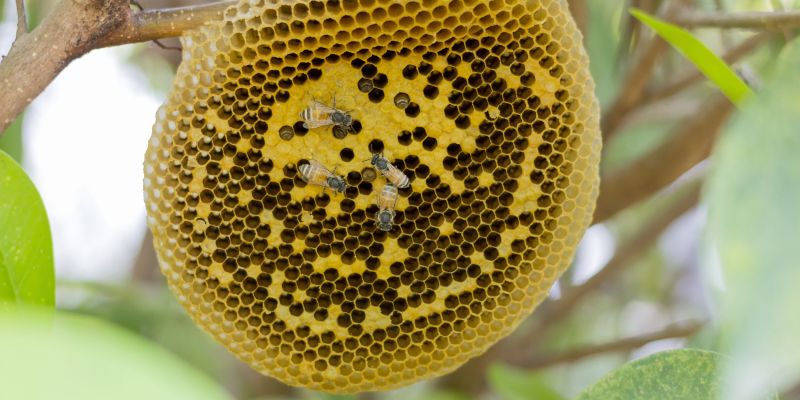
x=753, y=233
x=711, y=65
x=513, y=384
x=26, y=248
x=86, y=358
x=674, y=374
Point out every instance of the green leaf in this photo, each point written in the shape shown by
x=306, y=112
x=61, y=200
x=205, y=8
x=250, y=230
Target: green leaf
x=706, y=61
x=89, y=359
x=514, y=384
x=753, y=232
x=673, y=374
x=11, y=141
x=26, y=269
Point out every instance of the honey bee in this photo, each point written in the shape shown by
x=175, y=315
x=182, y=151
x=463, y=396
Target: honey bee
x=386, y=203
x=394, y=175
x=318, y=115
x=316, y=174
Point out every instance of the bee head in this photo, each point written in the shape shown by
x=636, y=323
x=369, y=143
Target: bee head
x=374, y=158
x=385, y=220
x=348, y=121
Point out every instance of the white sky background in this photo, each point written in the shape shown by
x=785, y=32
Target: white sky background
x=84, y=140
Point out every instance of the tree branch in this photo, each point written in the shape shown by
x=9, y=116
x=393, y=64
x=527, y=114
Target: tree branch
x=694, y=76
x=744, y=20
x=22, y=19
x=148, y=25
x=76, y=27
x=690, y=144
x=628, y=344
x=632, y=89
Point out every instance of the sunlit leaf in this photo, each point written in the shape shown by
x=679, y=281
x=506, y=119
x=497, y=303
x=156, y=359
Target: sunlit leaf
x=514, y=384
x=11, y=141
x=706, y=61
x=673, y=374
x=26, y=269
x=89, y=359
x=753, y=194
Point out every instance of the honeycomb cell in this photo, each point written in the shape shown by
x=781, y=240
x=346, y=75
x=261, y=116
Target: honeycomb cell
x=481, y=104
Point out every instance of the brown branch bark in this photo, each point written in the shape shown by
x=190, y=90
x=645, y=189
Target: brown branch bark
x=743, y=20
x=22, y=19
x=145, y=265
x=627, y=344
x=690, y=144
x=76, y=27
x=631, y=91
x=580, y=13
x=695, y=76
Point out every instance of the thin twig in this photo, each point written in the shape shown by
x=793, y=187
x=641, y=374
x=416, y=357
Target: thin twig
x=156, y=41
x=627, y=344
x=695, y=76
x=724, y=38
x=743, y=20
x=22, y=19
x=686, y=147
x=632, y=36
x=633, y=87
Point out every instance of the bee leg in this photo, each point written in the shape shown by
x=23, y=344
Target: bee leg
x=334, y=100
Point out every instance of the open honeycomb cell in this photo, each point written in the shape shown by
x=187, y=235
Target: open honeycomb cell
x=486, y=106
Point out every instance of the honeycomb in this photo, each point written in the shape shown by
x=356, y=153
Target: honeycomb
x=486, y=106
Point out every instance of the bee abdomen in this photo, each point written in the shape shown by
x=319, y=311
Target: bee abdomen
x=403, y=182
x=305, y=170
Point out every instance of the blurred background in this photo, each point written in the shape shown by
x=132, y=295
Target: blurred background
x=634, y=289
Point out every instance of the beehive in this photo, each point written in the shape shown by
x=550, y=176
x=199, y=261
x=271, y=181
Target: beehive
x=487, y=106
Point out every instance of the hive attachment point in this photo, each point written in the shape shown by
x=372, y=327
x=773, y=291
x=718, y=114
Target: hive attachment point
x=402, y=100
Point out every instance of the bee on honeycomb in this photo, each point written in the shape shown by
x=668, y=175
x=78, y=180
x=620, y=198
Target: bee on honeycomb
x=487, y=107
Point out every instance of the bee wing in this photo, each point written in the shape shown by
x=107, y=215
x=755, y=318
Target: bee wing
x=316, y=123
x=317, y=165
x=320, y=106
x=397, y=177
x=314, y=173
x=317, y=115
